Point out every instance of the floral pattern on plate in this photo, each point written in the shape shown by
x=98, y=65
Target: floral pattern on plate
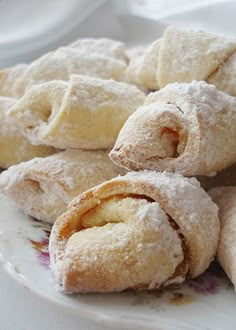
x=41, y=245
x=206, y=284
x=207, y=302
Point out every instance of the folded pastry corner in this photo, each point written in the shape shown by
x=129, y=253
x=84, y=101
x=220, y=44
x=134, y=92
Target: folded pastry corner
x=42, y=187
x=14, y=147
x=84, y=113
x=8, y=77
x=185, y=128
x=103, y=58
x=184, y=56
x=142, y=68
x=225, y=198
x=139, y=231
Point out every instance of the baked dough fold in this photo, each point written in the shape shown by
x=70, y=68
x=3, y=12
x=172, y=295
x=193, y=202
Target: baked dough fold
x=141, y=231
x=42, y=187
x=184, y=56
x=185, y=128
x=14, y=147
x=225, y=197
x=85, y=112
x=103, y=58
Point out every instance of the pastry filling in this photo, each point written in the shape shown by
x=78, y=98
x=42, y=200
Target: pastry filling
x=183, y=268
x=174, y=137
x=124, y=209
x=87, y=220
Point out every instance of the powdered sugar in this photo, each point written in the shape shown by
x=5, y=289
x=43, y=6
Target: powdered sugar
x=102, y=58
x=182, y=128
x=129, y=230
x=173, y=185
x=134, y=241
x=48, y=114
x=184, y=56
x=42, y=187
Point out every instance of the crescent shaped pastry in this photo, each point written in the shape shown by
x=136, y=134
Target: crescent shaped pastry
x=225, y=197
x=185, y=128
x=184, y=56
x=15, y=148
x=86, y=57
x=85, y=112
x=140, y=231
x=42, y=187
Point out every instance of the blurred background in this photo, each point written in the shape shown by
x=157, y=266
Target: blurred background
x=29, y=28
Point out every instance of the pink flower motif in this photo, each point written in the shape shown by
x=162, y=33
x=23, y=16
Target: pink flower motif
x=41, y=248
x=44, y=259
x=204, y=284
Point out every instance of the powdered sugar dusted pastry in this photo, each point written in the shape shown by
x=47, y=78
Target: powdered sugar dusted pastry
x=184, y=56
x=97, y=58
x=141, y=231
x=225, y=197
x=43, y=187
x=8, y=77
x=187, y=128
x=15, y=148
x=83, y=113
x=107, y=47
x=142, y=69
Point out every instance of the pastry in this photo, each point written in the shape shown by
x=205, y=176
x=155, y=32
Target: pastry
x=107, y=47
x=140, y=231
x=185, y=128
x=97, y=58
x=15, y=148
x=85, y=112
x=225, y=197
x=184, y=56
x=8, y=77
x=142, y=69
x=42, y=187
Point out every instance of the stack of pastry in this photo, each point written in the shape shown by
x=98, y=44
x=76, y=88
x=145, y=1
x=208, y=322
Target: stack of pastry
x=155, y=225
x=71, y=104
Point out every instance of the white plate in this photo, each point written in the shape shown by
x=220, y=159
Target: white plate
x=208, y=302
